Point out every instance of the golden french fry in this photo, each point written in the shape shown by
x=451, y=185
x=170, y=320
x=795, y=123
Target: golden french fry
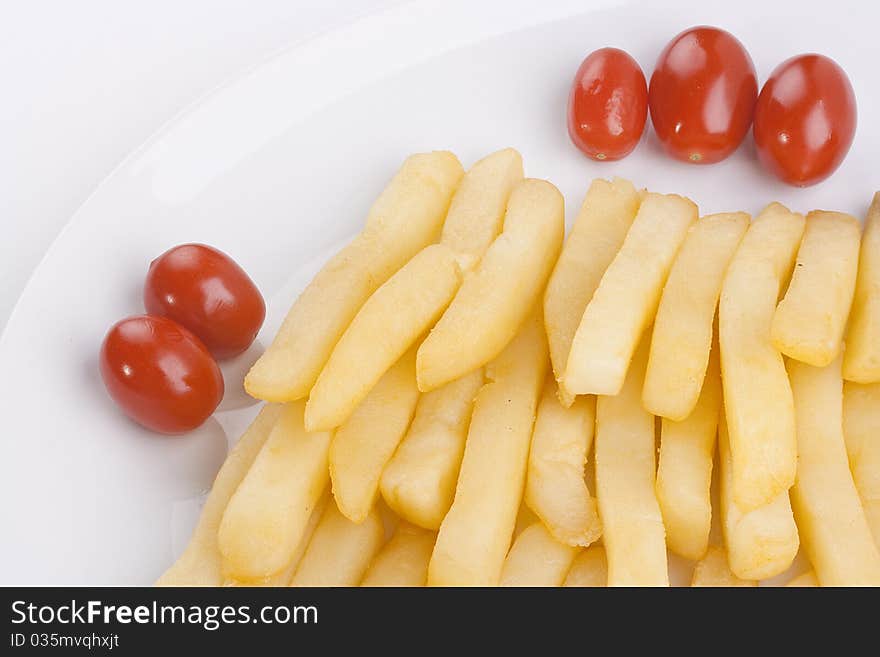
x=496, y=297
x=365, y=443
x=475, y=535
x=340, y=550
x=632, y=528
x=589, y=568
x=605, y=216
x=826, y=505
x=555, y=486
x=537, y=559
x=861, y=428
x=809, y=321
x=805, y=580
x=419, y=480
x=477, y=210
x=405, y=218
x=682, y=336
x=760, y=543
x=626, y=300
x=757, y=394
x=403, y=561
x=388, y=324
x=200, y=563
x=684, y=474
x=265, y=519
x=861, y=362
x=713, y=570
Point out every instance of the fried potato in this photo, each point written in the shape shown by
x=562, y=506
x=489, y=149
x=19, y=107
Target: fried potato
x=405, y=218
x=200, y=563
x=713, y=570
x=388, y=324
x=476, y=213
x=626, y=300
x=589, y=568
x=537, y=559
x=805, y=580
x=757, y=394
x=268, y=514
x=683, y=327
x=861, y=362
x=419, y=480
x=829, y=514
x=496, y=297
x=340, y=550
x=365, y=443
x=809, y=321
x=403, y=561
x=605, y=216
x=760, y=543
x=684, y=474
x=556, y=489
x=861, y=429
x=475, y=535
x=632, y=528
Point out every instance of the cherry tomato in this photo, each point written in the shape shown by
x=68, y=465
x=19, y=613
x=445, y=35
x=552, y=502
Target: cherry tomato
x=160, y=374
x=204, y=290
x=805, y=119
x=702, y=95
x=608, y=105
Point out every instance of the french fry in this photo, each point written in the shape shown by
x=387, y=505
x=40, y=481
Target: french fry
x=391, y=320
x=475, y=535
x=861, y=428
x=403, y=561
x=283, y=576
x=537, y=559
x=605, y=216
x=477, y=210
x=809, y=321
x=555, y=486
x=805, y=580
x=419, y=480
x=861, y=362
x=760, y=543
x=632, y=528
x=713, y=570
x=200, y=563
x=589, y=568
x=757, y=394
x=684, y=473
x=683, y=330
x=405, y=218
x=497, y=296
x=267, y=516
x=626, y=300
x=365, y=443
x=829, y=514
x=340, y=550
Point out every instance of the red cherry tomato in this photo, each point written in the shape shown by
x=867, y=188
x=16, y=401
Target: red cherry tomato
x=160, y=374
x=204, y=290
x=608, y=105
x=805, y=119
x=702, y=95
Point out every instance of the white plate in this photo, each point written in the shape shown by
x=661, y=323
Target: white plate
x=278, y=169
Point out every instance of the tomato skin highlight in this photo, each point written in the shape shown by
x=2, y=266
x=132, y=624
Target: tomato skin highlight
x=702, y=95
x=607, y=105
x=160, y=374
x=805, y=119
x=204, y=290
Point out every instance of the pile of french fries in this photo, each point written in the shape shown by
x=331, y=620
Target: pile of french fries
x=461, y=397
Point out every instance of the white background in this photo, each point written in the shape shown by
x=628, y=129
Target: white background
x=84, y=83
